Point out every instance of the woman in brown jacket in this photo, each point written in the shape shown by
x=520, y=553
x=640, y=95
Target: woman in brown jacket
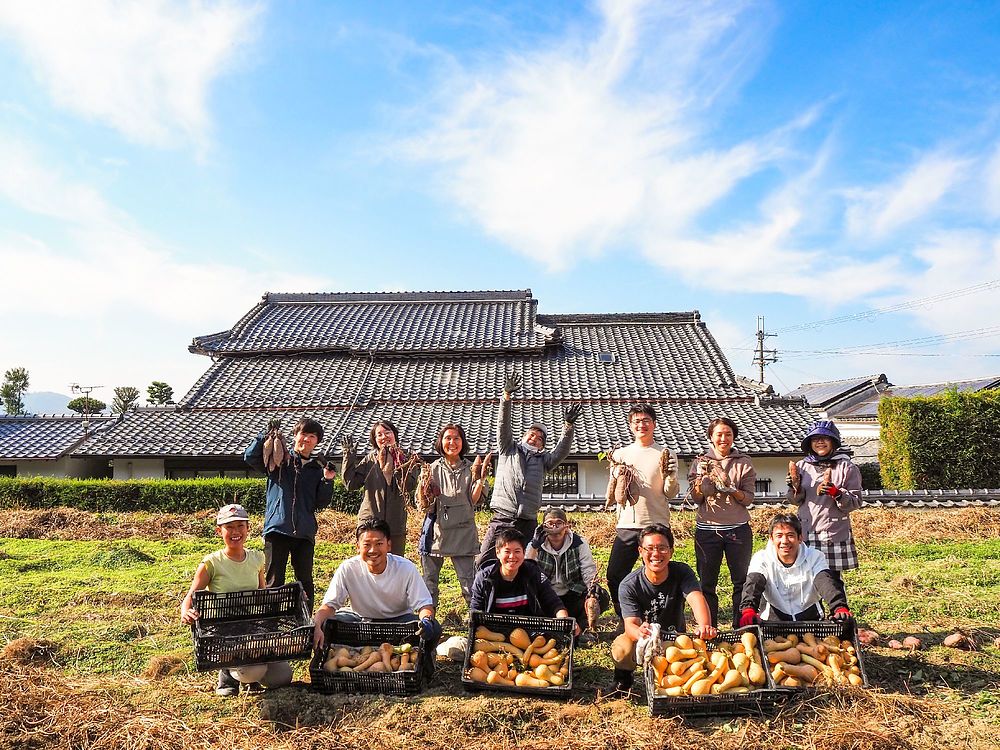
x=386, y=478
x=722, y=485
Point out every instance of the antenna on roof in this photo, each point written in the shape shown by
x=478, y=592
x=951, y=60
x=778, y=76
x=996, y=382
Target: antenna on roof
x=763, y=356
x=85, y=390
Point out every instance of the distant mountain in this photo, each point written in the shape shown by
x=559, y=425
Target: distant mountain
x=46, y=402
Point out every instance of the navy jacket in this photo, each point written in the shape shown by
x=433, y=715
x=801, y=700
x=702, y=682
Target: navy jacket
x=295, y=492
x=541, y=597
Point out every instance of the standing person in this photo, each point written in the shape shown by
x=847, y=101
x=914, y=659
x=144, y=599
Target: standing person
x=295, y=491
x=722, y=485
x=655, y=594
x=384, y=486
x=655, y=470
x=448, y=492
x=825, y=503
x=234, y=568
x=564, y=557
x=521, y=467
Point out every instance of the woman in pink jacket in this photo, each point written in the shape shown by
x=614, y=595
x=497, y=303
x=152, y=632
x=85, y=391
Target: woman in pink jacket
x=827, y=489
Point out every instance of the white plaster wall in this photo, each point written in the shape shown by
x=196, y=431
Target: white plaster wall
x=61, y=467
x=139, y=468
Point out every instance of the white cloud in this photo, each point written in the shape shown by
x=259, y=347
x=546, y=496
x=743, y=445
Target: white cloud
x=143, y=68
x=876, y=212
x=564, y=151
x=117, y=304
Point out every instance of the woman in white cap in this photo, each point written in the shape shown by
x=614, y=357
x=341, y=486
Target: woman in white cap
x=827, y=487
x=234, y=568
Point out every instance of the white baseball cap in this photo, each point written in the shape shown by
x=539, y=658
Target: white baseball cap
x=233, y=512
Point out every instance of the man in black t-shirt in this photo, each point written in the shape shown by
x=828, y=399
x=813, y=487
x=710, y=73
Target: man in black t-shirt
x=655, y=593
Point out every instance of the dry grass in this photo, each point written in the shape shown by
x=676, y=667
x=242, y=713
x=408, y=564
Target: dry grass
x=44, y=709
x=873, y=525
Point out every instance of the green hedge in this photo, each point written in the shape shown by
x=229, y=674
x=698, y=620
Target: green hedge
x=151, y=495
x=940, y=442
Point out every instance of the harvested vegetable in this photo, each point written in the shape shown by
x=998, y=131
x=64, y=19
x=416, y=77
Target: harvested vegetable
x=517, y=659
x=386, y=658
x=691, y=667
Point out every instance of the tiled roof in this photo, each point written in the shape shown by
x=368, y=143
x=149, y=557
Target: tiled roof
x=821, y=395
x=868, y=407
x=44, y=437
x=348, y=359
x=764, y=430
x=421, y=322
x=674, y=360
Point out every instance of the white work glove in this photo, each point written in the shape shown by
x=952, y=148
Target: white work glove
x=645, y=647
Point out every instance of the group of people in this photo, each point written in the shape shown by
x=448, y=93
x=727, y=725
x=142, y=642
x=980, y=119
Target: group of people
x=523, y=567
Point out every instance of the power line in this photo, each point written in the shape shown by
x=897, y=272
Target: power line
x=875, y=312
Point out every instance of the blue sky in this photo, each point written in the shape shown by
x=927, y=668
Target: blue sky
x=165, y=164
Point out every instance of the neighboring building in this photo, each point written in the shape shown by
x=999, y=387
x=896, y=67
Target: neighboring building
x=42, y=446
x=421, y=359
x=853, y=405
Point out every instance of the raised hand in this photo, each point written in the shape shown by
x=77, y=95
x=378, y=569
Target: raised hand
x=512, y=383
x=347, y=446
x=572, y=413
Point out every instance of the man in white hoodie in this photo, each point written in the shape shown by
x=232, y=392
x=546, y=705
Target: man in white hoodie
x=566, y=560
x=791, y=578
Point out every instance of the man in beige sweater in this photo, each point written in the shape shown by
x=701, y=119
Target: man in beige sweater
x=655, y=471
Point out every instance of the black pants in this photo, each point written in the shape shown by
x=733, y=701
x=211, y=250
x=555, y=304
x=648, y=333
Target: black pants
x=624, y=553
x=277, y=549
x=573, y=603
x=487, y=551
x=709, y=548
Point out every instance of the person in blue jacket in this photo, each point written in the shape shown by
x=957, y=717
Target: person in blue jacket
x=295, y=491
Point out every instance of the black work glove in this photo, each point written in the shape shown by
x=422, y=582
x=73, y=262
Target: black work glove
x=274, y=424
x=539, y=536
x=512, y=383
x=347, y=446
x=430, y=631
x=572, y=413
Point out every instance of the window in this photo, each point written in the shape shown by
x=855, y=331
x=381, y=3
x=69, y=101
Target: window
x=562, y=480
x=761, y=486
x=606, y=358
x=8, y=471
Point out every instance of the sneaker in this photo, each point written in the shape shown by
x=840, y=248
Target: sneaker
x=228, y=686
x=586, y=639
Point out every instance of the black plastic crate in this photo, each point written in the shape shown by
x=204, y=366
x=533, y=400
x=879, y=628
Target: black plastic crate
x=756, y=702
x=237, y=628
x=559, y=628
x=844, y=631
x=337, y=633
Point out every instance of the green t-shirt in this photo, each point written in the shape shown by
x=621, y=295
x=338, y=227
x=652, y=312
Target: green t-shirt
x=229, y=575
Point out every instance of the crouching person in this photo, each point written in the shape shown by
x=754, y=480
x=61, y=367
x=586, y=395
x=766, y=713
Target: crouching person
x=655, y=595
x=381, y=587
x=512, y=585
x=791, y=579
x=234, y=568
x=567, y=562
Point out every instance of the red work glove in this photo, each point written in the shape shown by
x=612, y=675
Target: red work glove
x=833, y=490
x=749, y=617
x=842, y=613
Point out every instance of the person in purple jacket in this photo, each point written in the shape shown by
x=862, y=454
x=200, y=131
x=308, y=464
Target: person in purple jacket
x=827, y=489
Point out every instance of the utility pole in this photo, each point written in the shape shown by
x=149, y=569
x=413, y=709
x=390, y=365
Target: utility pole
x=763, y=356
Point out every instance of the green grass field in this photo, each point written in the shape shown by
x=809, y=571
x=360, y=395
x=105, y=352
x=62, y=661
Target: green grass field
x=111, y=607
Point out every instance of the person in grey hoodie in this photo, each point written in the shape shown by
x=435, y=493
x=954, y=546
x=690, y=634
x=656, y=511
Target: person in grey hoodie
x=827, y=489
x=521, y=467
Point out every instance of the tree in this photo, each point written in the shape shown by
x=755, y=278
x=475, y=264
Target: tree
x=159, y=393
x=15, y=385
x=125, y=398
x=86, y=405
